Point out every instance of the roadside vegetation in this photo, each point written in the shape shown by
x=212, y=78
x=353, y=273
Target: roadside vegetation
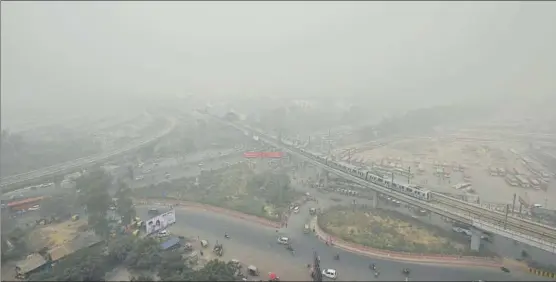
x=393, y=231
x=142, y=257
x=267, y=194
x=89, y=199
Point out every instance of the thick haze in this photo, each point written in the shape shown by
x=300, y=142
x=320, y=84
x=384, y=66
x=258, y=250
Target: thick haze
x=95, y=56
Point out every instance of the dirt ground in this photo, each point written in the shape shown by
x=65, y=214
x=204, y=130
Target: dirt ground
x=57, y=234
x=475, y=157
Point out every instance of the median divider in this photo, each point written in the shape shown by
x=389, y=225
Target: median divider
x=542, y=273
x=194, y=205
x=410, y=257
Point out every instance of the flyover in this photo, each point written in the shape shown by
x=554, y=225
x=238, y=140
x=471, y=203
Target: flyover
x=482, y=219
x=81, y=162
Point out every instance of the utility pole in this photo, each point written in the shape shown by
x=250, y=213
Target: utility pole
x=513, y=204
x=408, y=174
x=392, y=184
x=506, y=217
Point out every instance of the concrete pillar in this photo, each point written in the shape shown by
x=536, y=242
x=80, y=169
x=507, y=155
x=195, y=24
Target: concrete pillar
x=375, y=200
x=476, y=239
x=325, y=179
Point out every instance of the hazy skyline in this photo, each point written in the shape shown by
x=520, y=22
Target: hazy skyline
x=92, y=56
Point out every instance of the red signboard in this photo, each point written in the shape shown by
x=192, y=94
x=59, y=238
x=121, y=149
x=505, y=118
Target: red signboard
x=271, y=155
x=251, y=155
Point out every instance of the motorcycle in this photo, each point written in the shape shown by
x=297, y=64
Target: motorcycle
x=226, y=236
x=337, y=257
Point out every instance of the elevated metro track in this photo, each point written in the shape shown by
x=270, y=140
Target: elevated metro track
x=524, y=231
x=7, y=183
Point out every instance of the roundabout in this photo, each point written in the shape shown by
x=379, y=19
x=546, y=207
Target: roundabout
x=253, y=243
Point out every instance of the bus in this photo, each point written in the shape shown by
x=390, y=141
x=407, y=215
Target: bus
x=523, y=182
x=535, y=183
x=512, y=180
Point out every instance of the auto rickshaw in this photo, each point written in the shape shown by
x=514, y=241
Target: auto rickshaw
x=252, y=270
x=218, y=249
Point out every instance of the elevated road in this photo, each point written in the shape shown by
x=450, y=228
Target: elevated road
x=524, y=231
x=85, y=161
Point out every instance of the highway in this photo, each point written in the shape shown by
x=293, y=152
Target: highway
x=254, y=244
x=75, y=164
x=536, y=234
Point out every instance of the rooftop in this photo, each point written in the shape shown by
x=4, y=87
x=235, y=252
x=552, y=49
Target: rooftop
x=81, y=241
x=32, y=262
x=170, y=243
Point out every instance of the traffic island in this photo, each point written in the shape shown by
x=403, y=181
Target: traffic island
x=336, y=241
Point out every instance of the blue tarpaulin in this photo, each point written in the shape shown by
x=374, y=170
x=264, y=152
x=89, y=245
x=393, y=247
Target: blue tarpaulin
x=170, y=243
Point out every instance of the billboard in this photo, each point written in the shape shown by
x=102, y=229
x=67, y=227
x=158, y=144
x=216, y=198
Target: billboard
x=271, y=155
x=160, y=222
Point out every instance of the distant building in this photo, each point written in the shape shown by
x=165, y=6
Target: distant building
x=81, y=241
x=32, y=264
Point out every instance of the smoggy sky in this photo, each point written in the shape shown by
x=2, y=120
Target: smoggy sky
x=96, y=56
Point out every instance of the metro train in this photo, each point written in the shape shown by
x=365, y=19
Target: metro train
x=407, y=189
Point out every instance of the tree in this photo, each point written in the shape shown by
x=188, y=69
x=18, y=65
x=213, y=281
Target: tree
x=124, y=204
x=53, y=207
x=130, y=173
x=142, y=277
x=146, y=255
x=172, y=265
x=214, y=270
x=119, y=249
x=95, y=196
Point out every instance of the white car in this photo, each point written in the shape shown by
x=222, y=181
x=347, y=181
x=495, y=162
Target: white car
x=329, y=273
x=296, y=210
x=34, y=208
x=163, y=233
x=283, y=240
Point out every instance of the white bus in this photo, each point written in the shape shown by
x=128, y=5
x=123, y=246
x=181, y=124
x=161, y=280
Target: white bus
x=535, y=183
x=510, y=179
x=523, y=182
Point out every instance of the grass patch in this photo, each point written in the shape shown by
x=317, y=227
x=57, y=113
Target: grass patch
x=391, y=230
x=237, y=187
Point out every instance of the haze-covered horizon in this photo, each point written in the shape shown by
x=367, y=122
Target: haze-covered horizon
x=63, y=58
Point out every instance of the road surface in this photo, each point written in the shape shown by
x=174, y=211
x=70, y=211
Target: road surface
x=254, y=244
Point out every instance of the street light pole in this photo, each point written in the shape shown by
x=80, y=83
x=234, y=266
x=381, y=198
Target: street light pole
x=408, y=174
